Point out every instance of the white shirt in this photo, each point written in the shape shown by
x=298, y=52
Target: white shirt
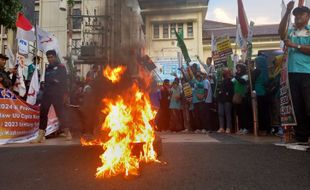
x=207, y=86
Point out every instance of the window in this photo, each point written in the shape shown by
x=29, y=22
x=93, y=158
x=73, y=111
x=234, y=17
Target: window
x=76, y=46
x=77, y=19
x=156, y=30
x=165, y=30
x=180, y=27
x=190, y=29
x=172, y=29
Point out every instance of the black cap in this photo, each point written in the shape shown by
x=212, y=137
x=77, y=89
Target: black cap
x=3, y=56
x=302, y=9
x=166, y=81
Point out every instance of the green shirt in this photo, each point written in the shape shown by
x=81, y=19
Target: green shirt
x=297, y=61
x=240, y=88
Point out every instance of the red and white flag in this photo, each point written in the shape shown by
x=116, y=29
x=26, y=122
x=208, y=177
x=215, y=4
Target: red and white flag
x=33, y=88
x=243, y=20
x=24, y=28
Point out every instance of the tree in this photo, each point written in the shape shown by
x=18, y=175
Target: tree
x=9, y=10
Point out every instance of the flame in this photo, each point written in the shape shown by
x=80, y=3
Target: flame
x=114, y=75
x=128, y=125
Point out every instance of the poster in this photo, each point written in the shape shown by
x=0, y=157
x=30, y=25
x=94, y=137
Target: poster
x=224, y=50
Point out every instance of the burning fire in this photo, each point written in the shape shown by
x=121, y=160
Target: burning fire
x=128, y=126
x=115, y=74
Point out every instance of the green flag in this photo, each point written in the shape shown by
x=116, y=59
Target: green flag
x=182, y=45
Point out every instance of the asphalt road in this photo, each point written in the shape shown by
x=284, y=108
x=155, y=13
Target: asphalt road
x=227, y=166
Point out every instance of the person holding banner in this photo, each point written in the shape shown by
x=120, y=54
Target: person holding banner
x=55, y=88
x=4, y=76
x=298, y=44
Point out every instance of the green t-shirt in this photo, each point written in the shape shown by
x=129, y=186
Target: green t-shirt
x=240, y=88
x=297, y=61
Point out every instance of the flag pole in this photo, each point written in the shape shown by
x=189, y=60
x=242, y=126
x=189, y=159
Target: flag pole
x=1, y=39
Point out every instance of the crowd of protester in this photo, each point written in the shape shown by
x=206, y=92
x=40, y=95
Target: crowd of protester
x=220, y=105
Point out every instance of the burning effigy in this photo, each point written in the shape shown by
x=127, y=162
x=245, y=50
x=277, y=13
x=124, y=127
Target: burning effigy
x=127, y=132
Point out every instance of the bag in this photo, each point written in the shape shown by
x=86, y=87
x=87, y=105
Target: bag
x=237, y=99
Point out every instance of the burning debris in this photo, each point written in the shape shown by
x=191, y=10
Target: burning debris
x=127, y=132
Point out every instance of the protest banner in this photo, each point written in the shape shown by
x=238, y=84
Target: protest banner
x=286, y=105
x=18, y=121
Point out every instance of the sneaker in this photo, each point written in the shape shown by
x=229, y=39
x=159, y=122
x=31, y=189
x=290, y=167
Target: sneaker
x=245, y=131
x=228, y=131
x=240, y=132
x=185, y=131
x=221, y=130
x=197, y=131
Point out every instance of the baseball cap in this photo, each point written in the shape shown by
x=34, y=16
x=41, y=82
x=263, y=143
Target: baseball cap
x=302, y=9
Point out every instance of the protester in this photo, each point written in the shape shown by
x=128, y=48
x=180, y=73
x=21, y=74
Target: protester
x=199, y=94
x=55, y=88
x=176, y=117
x=260, y=80
x=224, y=100
x=298, y=44
x=163, y=112
x=31, y=69
x=208, y=101
x=93, y=73
x=240, y=98
x=4, y=75
x=210, y=70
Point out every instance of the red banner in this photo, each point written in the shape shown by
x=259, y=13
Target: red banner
x=19, y=122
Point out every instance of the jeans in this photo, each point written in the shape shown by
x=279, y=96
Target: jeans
x=224, y=111
x=300, y=91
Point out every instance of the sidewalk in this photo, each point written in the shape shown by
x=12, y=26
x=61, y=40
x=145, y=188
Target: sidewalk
x=170, y=137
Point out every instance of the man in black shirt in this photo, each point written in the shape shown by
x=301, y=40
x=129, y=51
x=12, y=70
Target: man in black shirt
x=55, y=88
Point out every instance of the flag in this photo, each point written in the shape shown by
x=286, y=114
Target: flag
x=46, y=41
x=33, y=88
x=10, y=55
x=213, y=43
x=182, y=45
x=24, y=28
x=243, y=20
x=19, y=85
x=239, y=39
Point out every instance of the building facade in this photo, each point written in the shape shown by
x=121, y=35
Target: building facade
x=99, y=30
x=161, y=19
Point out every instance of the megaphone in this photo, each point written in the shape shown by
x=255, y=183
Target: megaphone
x=63, y=5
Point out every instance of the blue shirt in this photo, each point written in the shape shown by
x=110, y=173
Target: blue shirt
x=297, y=61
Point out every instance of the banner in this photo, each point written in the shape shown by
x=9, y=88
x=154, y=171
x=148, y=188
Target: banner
x=18, y=121
x=286, y=105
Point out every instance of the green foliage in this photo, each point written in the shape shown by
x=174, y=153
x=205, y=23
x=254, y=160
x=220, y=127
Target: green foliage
x=8, y=12
x=70, y=2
